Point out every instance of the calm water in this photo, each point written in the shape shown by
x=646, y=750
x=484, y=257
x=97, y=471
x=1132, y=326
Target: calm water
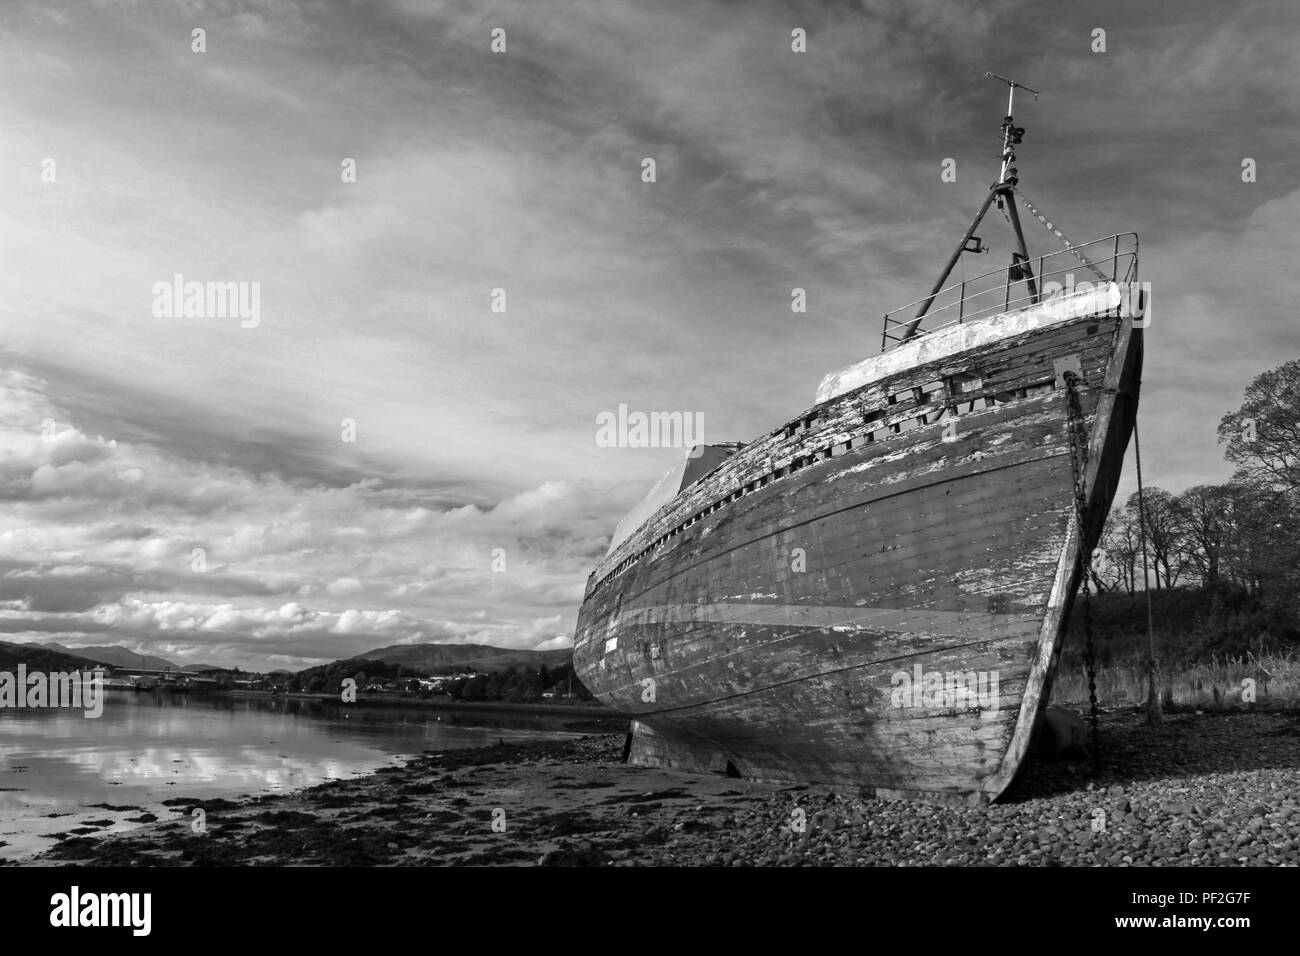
x=147, y=748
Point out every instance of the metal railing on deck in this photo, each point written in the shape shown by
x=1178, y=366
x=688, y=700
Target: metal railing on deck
x=1112, y=259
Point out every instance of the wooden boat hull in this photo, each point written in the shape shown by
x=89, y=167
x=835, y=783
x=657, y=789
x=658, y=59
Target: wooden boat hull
x=857, y=600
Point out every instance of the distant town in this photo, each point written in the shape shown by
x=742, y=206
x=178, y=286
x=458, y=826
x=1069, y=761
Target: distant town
x=418, y=672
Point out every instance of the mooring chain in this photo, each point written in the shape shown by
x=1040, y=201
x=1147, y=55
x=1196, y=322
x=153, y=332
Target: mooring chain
x=1078, y=435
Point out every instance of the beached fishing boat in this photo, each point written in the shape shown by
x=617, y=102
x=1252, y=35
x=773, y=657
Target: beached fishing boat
x=874, y=593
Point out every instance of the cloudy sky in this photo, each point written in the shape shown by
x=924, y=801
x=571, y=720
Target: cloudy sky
x=128, y=440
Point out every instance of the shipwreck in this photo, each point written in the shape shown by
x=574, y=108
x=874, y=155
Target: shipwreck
x=874, y=592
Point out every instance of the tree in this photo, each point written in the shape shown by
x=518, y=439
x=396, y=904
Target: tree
x=1121, y=552
x=1261, y=551
x=499, y=683
x=526, y=688
x=1263, y=435
x=1163, y=534
x=475, y=688
x=1203, y=514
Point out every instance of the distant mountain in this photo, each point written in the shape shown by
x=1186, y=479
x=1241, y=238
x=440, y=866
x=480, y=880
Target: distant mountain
x=39, y=657
x=115, y=655
x=481, y=657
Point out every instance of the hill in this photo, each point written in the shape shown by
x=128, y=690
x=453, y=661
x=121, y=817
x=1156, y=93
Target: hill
x=498, y=674
x=39, y=657
x=115, y=655
x=430, y=658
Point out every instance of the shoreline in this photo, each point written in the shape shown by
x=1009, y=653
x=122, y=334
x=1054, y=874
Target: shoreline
x=583, y=709
x=1207, y=788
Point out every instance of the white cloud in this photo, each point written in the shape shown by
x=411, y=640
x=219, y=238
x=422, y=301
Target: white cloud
x=558, y=642
x=73, y=521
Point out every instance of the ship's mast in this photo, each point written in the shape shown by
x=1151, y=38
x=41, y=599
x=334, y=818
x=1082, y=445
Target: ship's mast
x=1011, y=134
x=1003, y=192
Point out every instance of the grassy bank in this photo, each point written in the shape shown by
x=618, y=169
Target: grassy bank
x=1218, y=684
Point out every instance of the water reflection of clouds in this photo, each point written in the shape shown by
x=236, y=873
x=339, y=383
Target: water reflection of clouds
x=245, y=769
x=145, y=749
